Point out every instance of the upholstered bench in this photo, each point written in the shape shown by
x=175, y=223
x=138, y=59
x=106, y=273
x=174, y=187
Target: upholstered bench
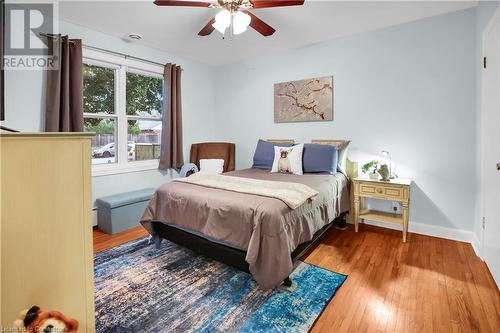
x=122, y=211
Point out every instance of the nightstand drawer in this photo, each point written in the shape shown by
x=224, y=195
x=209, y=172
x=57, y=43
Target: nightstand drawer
x=381, y=191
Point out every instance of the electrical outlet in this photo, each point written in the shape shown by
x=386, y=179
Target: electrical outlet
x=396, y=207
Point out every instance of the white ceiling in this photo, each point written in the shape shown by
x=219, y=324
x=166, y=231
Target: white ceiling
x=174, y=29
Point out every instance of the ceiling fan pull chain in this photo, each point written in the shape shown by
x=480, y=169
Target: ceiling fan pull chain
x=231, y=28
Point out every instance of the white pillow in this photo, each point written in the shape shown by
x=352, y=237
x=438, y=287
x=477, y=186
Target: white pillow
x=342, y=162
x=211, y=166
x=288, y=159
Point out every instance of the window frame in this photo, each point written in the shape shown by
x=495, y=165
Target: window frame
x=122, y=65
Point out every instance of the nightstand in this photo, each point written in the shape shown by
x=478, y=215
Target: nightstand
x=393, y=190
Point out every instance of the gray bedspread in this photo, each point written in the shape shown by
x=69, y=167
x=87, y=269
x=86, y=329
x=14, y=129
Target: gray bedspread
x=266, y=228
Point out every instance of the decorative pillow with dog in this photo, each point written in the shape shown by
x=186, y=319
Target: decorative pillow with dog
x=264, y=154
x=288, y=159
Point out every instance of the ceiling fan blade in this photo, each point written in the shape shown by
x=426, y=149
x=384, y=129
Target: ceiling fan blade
x=275, y=3
x=262, y=27
x=208, y=29
x=182, y=3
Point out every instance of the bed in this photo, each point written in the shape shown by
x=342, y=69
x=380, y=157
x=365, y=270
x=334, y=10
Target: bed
x=258, y=234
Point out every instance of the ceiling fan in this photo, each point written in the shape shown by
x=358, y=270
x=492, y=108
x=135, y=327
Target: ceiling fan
x=235, y=16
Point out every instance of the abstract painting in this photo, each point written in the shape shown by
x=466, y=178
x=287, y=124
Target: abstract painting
x=304, y=100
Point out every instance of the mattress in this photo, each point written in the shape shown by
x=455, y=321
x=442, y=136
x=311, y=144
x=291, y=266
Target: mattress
x=266, y=228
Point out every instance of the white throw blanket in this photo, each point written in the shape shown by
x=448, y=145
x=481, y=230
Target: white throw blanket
x=292, y=194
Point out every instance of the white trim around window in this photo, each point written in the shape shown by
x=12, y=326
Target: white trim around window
x=121, y=65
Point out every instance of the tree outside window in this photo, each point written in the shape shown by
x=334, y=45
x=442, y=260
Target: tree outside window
x=143, y=109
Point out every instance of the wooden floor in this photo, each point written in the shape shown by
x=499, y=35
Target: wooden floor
x=103, y=241
x=425, y=285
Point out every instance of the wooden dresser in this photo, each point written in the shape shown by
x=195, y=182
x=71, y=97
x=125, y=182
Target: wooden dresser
x=46, y=226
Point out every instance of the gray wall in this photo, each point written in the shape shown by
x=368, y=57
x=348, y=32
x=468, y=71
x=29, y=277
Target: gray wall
x=409, y=89
x=25, y=102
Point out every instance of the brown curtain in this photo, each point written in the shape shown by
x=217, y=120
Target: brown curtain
x=2, y=86
x=64, y=103
x=171, y=155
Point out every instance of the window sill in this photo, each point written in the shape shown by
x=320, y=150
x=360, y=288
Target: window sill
x=106, y=170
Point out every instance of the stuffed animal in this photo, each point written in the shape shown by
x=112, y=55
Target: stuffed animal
x=36, y=320
x=284, y=163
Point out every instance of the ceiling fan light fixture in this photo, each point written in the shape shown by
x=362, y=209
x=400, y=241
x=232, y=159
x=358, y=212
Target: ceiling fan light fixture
x=219, y=27
x=230, y=9
x=241, y=21
x=222, y=21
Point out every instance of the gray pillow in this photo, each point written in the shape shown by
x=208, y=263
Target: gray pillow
x=318, y=158
x=264, y=154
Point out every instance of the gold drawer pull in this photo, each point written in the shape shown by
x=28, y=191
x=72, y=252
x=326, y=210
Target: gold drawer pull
x=380, y=190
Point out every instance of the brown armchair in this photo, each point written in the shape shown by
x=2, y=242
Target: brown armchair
x=214, y=150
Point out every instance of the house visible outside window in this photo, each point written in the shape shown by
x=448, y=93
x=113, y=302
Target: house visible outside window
x=144, y=109
x=123, y=102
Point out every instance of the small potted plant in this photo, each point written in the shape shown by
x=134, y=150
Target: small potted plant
x=371, y=168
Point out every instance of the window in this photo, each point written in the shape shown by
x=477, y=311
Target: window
x=99, y=111
x=144, y=108
x=123, y=103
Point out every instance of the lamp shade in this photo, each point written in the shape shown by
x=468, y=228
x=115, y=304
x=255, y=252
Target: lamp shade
x=222, y=21
x=240, y=22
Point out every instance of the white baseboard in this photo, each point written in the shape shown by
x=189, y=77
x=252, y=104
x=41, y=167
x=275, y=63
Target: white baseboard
x=435, y=231
x=441, y=232
x=476, y=245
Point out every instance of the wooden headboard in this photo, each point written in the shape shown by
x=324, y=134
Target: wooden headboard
x=289, y=141
x=341, y=143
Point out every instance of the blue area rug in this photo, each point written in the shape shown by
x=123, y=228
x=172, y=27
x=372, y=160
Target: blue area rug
x=142, y=289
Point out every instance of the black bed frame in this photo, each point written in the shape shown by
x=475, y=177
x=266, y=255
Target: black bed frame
x=228, y=255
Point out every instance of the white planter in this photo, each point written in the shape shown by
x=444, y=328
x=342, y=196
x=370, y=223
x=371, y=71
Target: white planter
x=373, y=175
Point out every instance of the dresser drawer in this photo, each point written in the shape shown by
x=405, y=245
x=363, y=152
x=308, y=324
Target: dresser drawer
x=381, y=191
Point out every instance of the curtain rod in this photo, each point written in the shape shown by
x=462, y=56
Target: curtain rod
x=107, y=51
